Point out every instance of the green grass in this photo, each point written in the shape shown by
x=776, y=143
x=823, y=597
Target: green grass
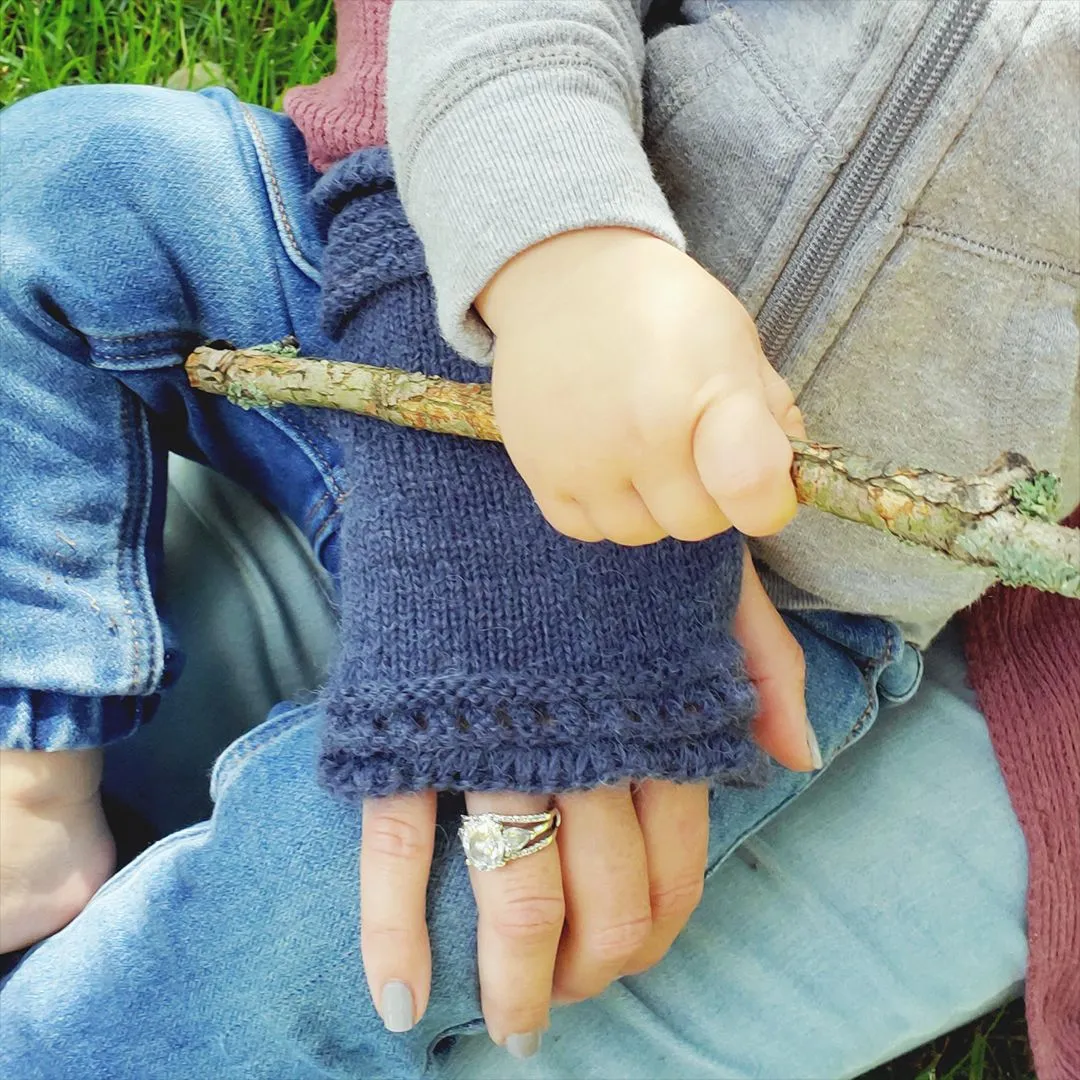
x=260, y=46
x=993, y=1048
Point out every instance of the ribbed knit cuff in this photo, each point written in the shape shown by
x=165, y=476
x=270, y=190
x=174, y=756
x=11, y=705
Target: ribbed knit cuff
x=529, y=154
x=533, y=735
x=346, y=111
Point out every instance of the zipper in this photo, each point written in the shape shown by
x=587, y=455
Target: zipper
x=841, y=212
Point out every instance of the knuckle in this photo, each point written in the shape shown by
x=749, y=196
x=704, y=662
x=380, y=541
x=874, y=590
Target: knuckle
x=575, y=527
x=529, y=918
x=570, y=989
x=635, y=536
x=790, y=418
x=677, y=899
x=614, y=943
x=790, y=660
x=382, y=941
x=691, y=532
x=792, y=414
x=647, y=958
x=393, y=837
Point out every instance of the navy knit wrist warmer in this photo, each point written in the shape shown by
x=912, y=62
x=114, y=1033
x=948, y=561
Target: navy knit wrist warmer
x=481, y=650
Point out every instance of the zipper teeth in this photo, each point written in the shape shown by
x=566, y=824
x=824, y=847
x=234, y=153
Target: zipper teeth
x=828, y=233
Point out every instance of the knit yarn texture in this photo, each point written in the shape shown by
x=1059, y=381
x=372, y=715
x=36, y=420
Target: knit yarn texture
x=346, y=110
x=1023, y=650
x=481, y=650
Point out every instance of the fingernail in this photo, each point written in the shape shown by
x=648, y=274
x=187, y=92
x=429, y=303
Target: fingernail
x=812, y=746
x=523, y=1046
x=396, y=1007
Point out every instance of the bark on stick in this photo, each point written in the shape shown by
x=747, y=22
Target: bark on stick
x=1001, y=519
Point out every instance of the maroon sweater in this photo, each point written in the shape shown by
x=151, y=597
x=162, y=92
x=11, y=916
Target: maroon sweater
x=1023, y=647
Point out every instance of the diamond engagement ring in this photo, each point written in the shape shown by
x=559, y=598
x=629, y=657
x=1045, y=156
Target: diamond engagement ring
x=493, y=840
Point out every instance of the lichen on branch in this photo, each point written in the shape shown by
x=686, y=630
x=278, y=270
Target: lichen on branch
x=1000, y=519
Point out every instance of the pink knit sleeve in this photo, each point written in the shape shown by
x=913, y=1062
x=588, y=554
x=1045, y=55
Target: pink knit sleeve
x=1023, y=651
x=346, y=111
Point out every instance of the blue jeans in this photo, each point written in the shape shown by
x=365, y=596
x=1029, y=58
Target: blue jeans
x=854, y=922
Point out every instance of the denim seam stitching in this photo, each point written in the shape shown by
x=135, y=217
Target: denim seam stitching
x=137, y=564
x=109, y=350
x=315, y=508
x=856, y=728
x=141, y=336
x=281, y=215
x=137, y=553
x=329, y=477
x=236, y=756
x=127, y=427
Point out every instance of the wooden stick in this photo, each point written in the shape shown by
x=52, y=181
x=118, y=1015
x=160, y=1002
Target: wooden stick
x=1001, y=519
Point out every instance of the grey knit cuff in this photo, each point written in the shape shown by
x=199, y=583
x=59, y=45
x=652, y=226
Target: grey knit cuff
x=529, y=154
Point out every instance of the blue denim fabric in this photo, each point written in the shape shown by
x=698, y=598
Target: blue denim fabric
x=137, y=222
x=230, y=949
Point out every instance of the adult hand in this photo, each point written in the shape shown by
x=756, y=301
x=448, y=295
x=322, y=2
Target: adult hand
x=606, y=900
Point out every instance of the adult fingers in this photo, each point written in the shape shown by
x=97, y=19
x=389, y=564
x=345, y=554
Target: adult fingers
x=520, y=919
x=777, y=667
x=606, y=885
x=395, y=861
x=674, y=822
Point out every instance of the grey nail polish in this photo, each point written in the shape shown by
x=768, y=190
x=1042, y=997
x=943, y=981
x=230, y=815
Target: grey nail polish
x=812, y=746
x=523, y=1046
x=396, y=1007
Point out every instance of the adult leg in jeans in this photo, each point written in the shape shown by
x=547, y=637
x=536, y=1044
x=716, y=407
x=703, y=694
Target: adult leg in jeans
x=231, y=948
x=868, y=917
x=865, y=919
x=880, y=909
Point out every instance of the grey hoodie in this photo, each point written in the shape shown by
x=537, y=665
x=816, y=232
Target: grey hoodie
x=891, y=188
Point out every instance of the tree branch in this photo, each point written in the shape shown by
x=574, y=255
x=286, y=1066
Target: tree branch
x=1001, y=519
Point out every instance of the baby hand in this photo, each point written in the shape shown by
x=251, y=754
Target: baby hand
x=632, y=393
x=55, y=847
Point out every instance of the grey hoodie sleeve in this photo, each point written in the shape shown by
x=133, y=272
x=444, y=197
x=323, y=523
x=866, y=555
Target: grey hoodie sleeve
x=510, y=121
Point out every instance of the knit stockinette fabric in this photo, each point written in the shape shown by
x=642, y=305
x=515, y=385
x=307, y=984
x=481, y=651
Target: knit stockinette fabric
x=346, y=111
x=1023, y=650
x=481, y=650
